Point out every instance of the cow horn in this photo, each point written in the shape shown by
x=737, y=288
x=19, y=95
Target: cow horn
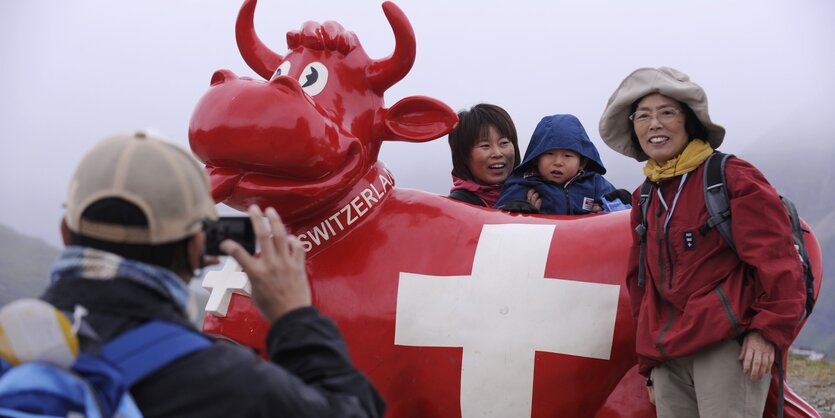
x=383, y=73
x=258, y=56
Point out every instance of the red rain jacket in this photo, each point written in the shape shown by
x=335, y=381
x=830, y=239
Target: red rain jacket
x=698, y=290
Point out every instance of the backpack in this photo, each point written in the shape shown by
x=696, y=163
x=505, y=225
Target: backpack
x=719, y=212
x=95, y=386
x=466, y=196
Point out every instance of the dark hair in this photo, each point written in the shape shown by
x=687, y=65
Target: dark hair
x=170, y=255
x=692, y=125
x=472, y=124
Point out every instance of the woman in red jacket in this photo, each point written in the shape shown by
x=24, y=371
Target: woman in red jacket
x=709, y=320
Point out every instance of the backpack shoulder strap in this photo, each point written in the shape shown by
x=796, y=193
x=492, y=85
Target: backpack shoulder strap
x=36, y=389
x=641, y=230
x=466, y=196
x=716, y=197
x=149, y=347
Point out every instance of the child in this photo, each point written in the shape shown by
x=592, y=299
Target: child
x=564, y=169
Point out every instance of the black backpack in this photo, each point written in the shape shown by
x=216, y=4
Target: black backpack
x=719, y=210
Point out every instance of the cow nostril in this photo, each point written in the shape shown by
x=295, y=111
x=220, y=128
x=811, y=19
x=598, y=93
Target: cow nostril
x=220, y=76
x=287, y=82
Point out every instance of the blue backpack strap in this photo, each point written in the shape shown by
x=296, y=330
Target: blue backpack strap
x=641, y=230
x=53, y=391
x=716, y=198
x=147, y=348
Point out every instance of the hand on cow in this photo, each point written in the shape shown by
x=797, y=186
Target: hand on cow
x=534, y=199
x=278, y=277
x=621, y=194
x=757, y=355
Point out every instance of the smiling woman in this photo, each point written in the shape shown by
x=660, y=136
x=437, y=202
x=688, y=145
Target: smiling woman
x=723, y=323
x=484, y=150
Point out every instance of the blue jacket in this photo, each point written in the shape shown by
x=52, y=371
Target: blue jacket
x=564, y=132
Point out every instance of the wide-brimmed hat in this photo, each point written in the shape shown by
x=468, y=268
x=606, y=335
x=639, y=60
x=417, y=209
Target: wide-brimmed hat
x=164, y=181
x=615, y=126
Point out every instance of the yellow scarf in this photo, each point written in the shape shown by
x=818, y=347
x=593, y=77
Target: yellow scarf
x=690, y=159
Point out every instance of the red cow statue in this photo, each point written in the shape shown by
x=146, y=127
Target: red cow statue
x=452, y=310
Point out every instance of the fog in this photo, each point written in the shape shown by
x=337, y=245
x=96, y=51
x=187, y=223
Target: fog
x=74, y=72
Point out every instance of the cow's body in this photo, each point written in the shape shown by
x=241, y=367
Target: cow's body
x=452, y=310
x=356, y=280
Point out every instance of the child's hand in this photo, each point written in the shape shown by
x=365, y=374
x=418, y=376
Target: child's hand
x=534, y=199
x=596, y=208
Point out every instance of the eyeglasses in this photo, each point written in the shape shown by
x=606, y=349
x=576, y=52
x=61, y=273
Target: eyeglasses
x=664, y=115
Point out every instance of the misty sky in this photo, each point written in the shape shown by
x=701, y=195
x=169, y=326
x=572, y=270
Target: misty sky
x=74, y=72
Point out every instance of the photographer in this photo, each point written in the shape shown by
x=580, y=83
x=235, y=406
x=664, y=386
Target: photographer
x=133, y=230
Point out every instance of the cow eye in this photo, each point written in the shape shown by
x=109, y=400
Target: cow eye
x=282, y=69
x=314, y=78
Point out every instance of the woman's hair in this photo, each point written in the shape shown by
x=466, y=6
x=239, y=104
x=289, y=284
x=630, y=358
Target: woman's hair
x=172, y=255
x=472, y=124
x=692, y=125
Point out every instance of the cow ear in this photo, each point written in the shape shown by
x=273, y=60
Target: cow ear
x=418, y=119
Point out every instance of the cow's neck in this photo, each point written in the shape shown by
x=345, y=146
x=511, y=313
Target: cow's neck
x=354, y=208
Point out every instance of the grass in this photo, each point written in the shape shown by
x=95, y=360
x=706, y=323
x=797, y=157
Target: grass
x=820, y=370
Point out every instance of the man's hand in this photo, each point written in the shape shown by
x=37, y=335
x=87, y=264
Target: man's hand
x=757, y=355
x=278, y=276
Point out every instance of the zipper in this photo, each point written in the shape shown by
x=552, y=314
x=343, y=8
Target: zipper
x=664, y=234
x=659, y=234
x=567, y=202
x=658, y=342
x=669, y=258
x=729, y=312
x=565, y=189
x=669, y=214
x=659, y=237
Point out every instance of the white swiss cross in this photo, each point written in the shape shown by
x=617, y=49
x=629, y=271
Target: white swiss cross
x=222, y=283
x=502, y=314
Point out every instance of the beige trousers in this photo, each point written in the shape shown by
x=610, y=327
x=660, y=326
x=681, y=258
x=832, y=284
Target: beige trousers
x=709, y=384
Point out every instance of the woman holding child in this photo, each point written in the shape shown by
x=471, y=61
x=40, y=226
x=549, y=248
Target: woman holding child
x=710, y=320
x=562, y=172
x=484, y=151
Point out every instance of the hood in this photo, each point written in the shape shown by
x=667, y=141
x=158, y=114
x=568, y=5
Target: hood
x=565, y=132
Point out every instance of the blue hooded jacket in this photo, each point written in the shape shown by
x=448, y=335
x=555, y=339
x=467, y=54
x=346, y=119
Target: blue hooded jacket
x=572, y=198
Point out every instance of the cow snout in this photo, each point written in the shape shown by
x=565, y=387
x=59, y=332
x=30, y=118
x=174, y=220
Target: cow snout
x=270, y=128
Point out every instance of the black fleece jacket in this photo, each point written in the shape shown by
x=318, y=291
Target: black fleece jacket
x=309, y=375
